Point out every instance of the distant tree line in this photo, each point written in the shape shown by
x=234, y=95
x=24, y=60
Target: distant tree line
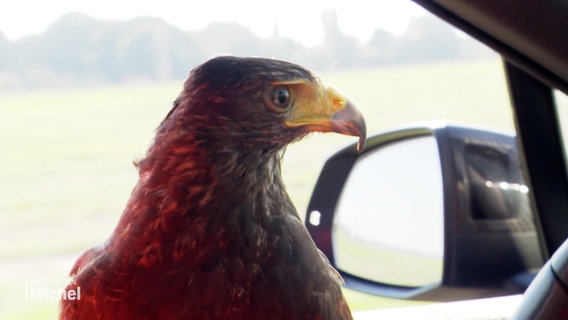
x=79, y=50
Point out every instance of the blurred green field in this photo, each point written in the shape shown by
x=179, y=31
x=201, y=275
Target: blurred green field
x=384, y=263
x=66, y=158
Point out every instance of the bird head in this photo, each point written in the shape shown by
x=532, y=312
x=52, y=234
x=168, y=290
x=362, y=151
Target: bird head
x=261, y=102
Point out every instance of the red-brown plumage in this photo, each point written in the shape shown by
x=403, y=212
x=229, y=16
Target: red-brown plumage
x=209, y=231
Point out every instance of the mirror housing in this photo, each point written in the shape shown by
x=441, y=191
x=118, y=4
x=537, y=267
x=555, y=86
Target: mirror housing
x=490, y=243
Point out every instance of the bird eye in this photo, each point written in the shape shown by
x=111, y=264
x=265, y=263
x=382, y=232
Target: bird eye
x=280, y=98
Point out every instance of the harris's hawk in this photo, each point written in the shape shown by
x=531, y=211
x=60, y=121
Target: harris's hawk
x=209, y=231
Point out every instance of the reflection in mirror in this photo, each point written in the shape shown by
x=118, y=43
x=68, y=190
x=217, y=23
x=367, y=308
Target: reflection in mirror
x=495, y=188
x=389, y=222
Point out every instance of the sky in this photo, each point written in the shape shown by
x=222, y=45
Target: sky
x=297, y=19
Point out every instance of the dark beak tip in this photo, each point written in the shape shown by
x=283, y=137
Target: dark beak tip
x=350, y=121
x=361, y=143
x=362, y=133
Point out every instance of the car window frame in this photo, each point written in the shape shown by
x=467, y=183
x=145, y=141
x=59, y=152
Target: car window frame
x=543, y=157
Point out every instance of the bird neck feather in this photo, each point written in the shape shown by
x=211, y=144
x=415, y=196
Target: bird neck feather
x=186, y=190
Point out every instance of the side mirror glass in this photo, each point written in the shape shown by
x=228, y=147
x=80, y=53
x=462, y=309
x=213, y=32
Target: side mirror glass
x=366, y=238
x=428, y=213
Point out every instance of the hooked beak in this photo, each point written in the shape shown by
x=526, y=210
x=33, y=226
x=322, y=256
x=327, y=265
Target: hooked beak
x=350, y=121
x=330, y=112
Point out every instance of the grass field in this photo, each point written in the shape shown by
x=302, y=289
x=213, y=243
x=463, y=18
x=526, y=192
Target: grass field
x=384, y=263
x=66, y=159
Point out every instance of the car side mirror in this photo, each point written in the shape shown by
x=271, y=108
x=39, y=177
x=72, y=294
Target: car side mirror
x=428, y=213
